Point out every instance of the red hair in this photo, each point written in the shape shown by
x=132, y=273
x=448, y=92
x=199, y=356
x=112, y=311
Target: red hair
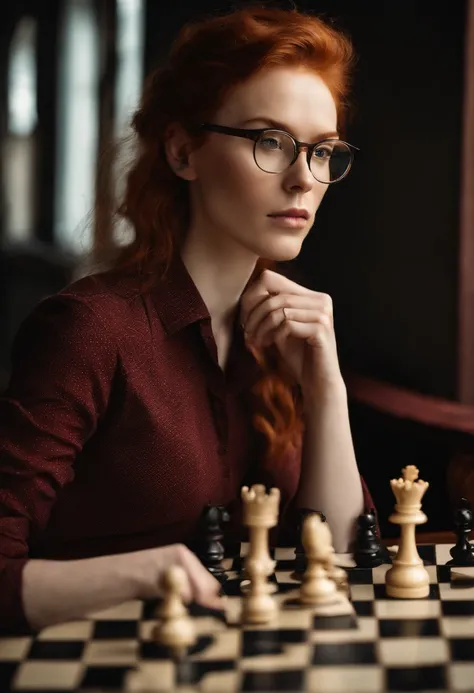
x=207, y=59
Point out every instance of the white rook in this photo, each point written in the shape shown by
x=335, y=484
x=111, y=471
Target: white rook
x=260, y=513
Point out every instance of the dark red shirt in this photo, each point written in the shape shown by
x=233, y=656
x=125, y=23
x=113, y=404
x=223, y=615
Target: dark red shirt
x=119, y=426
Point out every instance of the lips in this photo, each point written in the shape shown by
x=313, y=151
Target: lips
x=293, y=213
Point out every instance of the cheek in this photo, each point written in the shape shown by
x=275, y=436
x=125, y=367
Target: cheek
x=235, y=177
x=320, y=191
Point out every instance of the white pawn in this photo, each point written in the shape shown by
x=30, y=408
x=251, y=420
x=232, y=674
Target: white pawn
x=175, y=628
x=337, y=574
x=317, y=588
x=333, y=571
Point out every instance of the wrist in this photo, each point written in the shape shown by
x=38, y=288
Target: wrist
x=333, y=390
x=133, y=570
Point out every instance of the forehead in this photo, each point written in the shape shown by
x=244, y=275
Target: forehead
x=295, y=96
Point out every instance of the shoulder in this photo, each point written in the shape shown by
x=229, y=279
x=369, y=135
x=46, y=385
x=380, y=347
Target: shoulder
x=69, y=347
x=110, y=296
x=83, y=314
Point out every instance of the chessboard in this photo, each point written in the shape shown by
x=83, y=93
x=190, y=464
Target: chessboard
x=377, y=644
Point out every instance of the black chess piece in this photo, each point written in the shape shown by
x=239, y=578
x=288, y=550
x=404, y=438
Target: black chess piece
x=369, y=552
x=300, y=556
x=210, y=547
x=462, y=551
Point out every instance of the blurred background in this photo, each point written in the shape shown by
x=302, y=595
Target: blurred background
x=393, y=244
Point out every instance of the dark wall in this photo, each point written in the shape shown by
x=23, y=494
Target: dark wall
x=385, y=242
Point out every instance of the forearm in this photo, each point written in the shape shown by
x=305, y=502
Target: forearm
x=330, y=480
x=58, y=591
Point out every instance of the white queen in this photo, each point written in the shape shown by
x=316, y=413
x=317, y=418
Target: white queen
x=408, y=578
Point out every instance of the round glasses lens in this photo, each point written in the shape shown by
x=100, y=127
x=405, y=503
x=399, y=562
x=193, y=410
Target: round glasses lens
x=330, y=161
x=274, y=151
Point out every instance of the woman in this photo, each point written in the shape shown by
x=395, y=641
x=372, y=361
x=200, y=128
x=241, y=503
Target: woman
x=190, y=367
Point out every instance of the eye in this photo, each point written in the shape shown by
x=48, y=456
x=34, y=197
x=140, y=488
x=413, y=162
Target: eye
x=323, y=152
x=270, y=143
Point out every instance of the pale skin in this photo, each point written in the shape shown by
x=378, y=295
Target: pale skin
x=231, y=199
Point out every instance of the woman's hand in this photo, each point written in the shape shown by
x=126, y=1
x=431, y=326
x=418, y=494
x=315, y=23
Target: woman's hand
x=201, y=586
x=299, y=322
x=59, y=591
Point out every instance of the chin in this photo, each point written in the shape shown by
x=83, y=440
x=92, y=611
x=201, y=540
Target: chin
x=281, y=252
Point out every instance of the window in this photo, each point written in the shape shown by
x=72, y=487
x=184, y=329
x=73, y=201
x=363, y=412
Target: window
x=79, y=112
x=77, y=126
x=130, y=56
x=130, y=46
x=19, y=145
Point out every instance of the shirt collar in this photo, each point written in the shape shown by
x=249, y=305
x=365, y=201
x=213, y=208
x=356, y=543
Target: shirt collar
x=179, y=304
x=177, y=299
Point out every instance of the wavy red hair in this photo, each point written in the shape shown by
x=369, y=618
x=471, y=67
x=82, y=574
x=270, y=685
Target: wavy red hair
x=207, y=59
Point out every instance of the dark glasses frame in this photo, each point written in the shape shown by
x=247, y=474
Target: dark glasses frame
x=255, y=134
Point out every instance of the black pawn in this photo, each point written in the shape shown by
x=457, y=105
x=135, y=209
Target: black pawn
x=369, y=552
x=462, y=551
x=210, y=548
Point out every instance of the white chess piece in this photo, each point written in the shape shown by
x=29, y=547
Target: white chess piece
x=333, y=571
x=317, y=588
x=175, y=629
x=337, y=574
x=408, y=578
x=260, y=512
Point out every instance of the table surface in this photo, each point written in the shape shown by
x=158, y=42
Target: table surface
x=372, y=644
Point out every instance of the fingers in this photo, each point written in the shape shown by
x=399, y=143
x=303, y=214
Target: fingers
x=275, y=283
x=309, y=317
x=269, y=284
x=270, y=311
x=316, y=333
x=205, y=589
x=272, y=292
x=314, y=326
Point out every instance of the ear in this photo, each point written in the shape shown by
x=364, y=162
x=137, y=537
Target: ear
x=178, y=152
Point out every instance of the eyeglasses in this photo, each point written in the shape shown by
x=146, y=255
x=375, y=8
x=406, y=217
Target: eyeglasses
x=276, y=150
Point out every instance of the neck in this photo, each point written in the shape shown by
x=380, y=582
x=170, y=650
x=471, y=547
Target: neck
x=220, y=275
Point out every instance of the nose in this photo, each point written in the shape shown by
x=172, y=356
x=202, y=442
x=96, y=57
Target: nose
x=298, y=176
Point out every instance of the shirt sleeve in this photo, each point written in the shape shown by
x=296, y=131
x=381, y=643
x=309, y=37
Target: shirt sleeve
x=62, y=369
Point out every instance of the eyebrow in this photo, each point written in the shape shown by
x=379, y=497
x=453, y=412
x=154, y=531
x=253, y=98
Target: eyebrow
x=330, y=134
